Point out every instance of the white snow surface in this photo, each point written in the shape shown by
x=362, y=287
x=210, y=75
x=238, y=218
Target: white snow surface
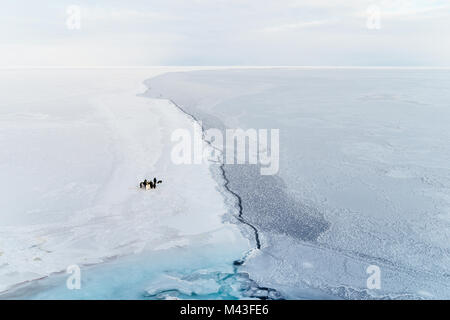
x=74, y=144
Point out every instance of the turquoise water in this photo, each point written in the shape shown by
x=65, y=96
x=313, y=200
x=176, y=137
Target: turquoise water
x=204, y=272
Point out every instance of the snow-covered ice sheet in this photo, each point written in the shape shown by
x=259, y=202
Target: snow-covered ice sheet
x=364, y=174
x=74, y=144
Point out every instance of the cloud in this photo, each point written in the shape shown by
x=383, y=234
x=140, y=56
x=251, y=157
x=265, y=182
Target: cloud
x=298, y=25
x=98, y=13
x=202, y=32
x=410, y=9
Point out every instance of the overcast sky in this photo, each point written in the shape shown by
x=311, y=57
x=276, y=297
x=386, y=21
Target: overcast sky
x=225, y=32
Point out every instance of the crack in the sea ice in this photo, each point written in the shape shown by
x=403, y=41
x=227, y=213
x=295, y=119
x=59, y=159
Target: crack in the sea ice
x=227, y=182
x=253, y=290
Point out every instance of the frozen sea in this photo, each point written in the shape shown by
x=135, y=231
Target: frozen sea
x=364, y=180
x=74, y=145
x=364, y=174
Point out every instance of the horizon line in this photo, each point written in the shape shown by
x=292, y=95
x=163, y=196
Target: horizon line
x=221, y=66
